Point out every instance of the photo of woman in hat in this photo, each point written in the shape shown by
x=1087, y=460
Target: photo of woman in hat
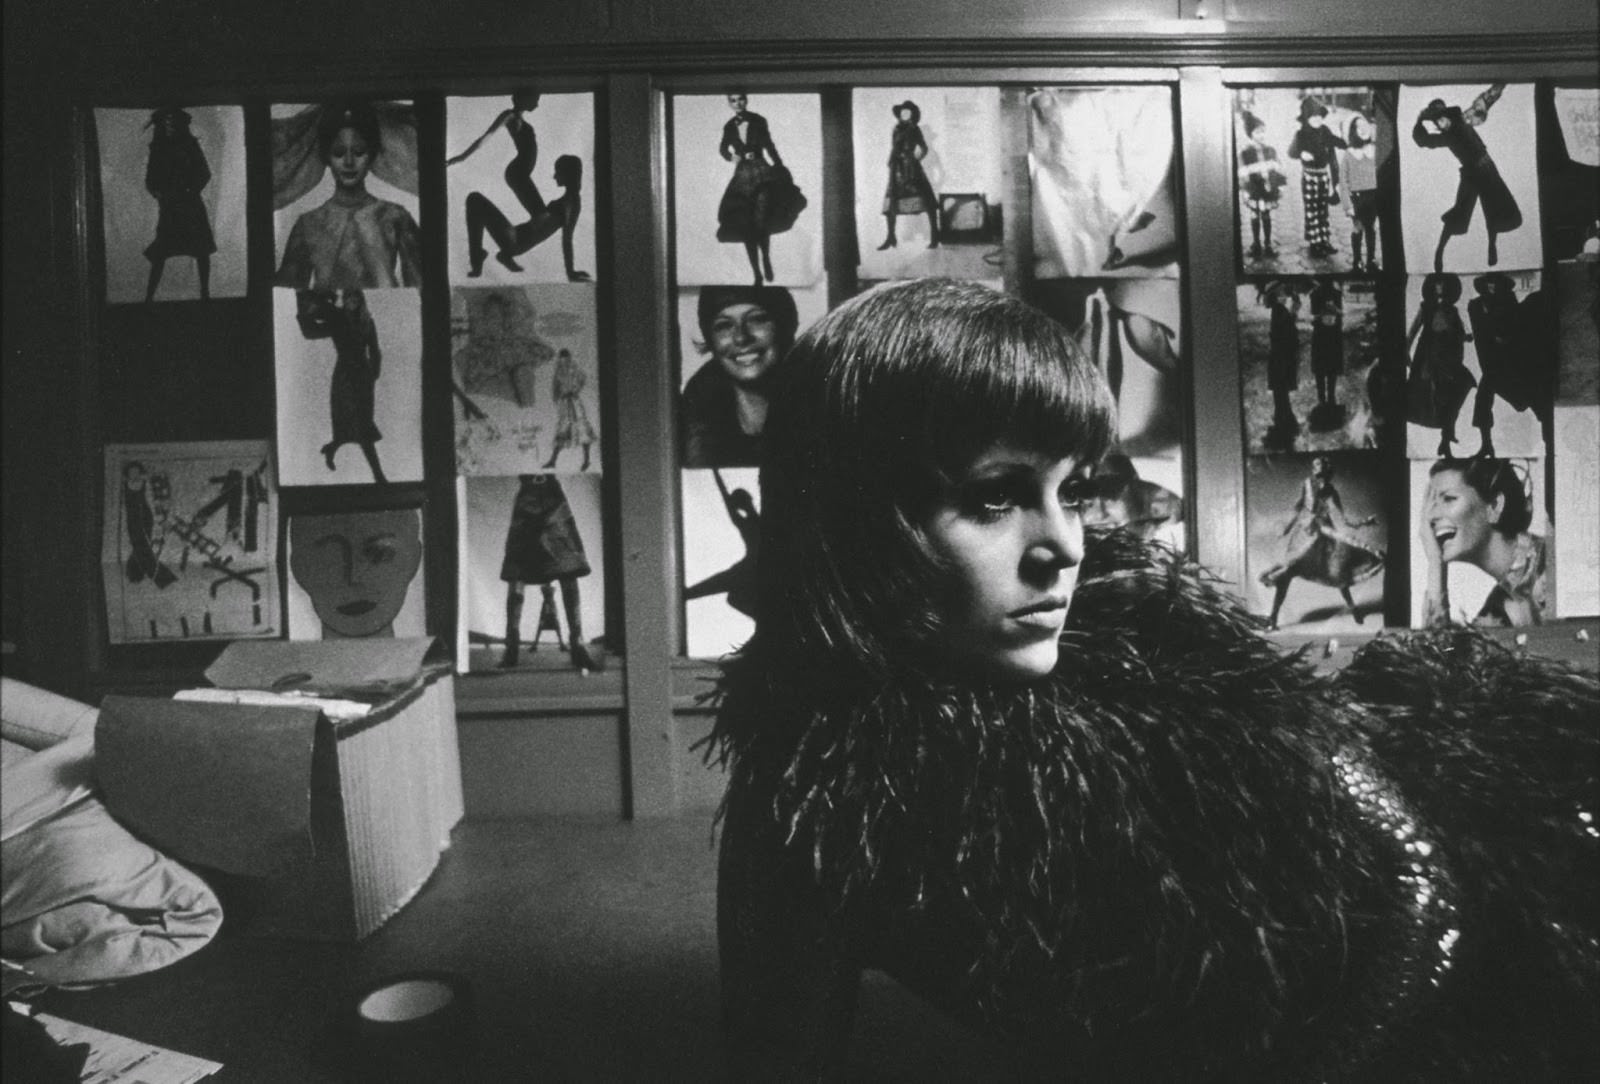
x=176, y=174
x=908, y=191
x=1317, y=150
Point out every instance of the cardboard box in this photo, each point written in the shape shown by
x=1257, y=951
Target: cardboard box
x=331, y=823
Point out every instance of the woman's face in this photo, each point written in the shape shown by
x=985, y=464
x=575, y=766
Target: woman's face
x=744, y=340
x=1360, y=128
x=350, y=158
x=1460, y=519
x=356, y=566
x=1011, y=529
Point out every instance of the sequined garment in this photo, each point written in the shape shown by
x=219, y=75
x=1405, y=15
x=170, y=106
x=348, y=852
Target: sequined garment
x=1184, y=856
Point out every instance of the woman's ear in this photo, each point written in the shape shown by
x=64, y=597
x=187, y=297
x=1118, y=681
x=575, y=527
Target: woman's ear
x=1497, y=508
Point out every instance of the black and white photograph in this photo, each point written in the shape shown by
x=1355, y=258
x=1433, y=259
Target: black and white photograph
x=172, y=197
x=532, y=579
x=1469, y=185
x=1316, y=169
x=747, y=184
x=1481, y=551
x=1316, y=531
x=1308, y=363
x=1104, y=193
x=930, y=197
x=1481, y=374
x=349, y=386
x=520, y=179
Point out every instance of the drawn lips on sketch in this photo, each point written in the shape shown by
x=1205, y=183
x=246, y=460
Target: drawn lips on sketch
x=357, y=608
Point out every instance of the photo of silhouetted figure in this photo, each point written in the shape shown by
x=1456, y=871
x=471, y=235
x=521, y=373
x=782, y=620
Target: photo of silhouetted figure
x=738, y=580
x=543, y=546
x=1453, y=128
x=176, y=174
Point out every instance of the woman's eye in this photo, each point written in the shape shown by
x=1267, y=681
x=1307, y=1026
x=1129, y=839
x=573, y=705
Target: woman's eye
x=989, y=500
x=1078, y=493
x=379, y=552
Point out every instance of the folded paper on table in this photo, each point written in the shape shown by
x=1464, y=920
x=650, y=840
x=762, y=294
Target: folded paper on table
x=374, y=666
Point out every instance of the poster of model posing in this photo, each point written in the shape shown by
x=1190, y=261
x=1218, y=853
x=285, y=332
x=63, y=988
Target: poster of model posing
x=1469, y=190
x=189, y=542
x=172, y=190
x=747, y=187
x=928, y=172
x=518, y=174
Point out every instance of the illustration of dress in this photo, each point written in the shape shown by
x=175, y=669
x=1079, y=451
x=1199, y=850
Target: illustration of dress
x=573, y=428
x=543, y=544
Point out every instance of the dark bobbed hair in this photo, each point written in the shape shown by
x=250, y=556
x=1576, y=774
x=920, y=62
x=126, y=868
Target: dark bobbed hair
x=876, y=409
x=349, y=113
x=570, y=166
x=1493, y=478
x=776, y=300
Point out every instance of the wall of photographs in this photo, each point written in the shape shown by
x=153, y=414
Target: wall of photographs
x=464, y=364
x=1417, y=313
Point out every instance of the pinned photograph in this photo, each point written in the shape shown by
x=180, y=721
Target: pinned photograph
x=1308, y=359
x=1482, y=551
x=1469, y=186
x=1316, y=171
x=538, y=530
x=526, y=370
x=1133, y=329
x=344, y=193
x=1569, y=170
x=189, y=549
x=353, y=574
x=349, y=386
x=747, y=179
x=1576, y=470
x=1501, y=359
x=721, y=543
x=514, y=217
x=1100, y=162
x=928, y=181
x=730, y=340
x=172, y=194
x=1316, y=527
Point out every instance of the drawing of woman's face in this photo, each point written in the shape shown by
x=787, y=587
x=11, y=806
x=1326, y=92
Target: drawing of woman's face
x=744, y=340
x=357, y=567
x=350, y=159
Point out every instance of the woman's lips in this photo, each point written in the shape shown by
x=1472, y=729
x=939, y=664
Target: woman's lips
x=1047, y=614
x=357, y=608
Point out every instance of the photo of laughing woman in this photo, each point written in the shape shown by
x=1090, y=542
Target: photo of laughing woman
x=1060, y=786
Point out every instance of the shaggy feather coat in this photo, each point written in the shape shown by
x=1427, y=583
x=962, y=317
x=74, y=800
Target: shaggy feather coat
x=1185, y=856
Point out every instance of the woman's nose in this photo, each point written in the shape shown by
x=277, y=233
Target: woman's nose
x=1057, y=542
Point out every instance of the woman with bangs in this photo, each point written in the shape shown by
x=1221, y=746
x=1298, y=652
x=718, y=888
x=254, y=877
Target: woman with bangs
x=1060, y=786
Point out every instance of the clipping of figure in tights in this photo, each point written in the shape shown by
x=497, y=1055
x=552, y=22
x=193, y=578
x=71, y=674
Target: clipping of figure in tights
x=543, y=546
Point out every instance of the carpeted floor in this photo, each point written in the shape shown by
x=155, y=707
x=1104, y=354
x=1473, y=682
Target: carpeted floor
x=590, y=948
